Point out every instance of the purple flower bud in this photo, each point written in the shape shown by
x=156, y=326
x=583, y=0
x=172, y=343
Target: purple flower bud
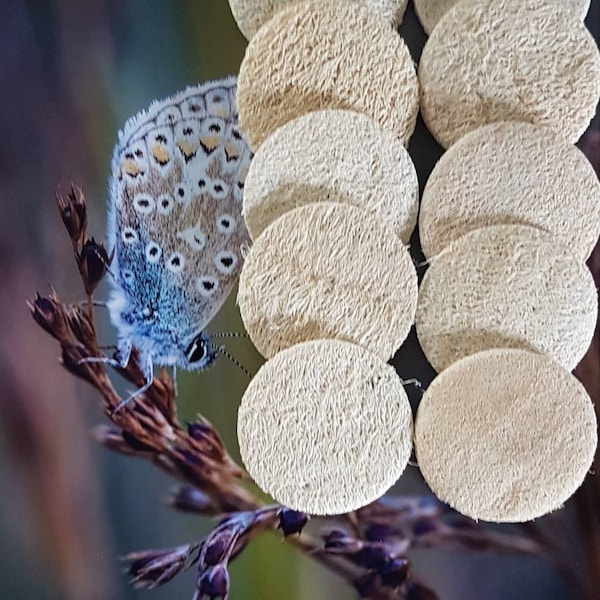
x=291, y=521
x=371, y=556
x=189, y=499
x=340, y=542
x=213, y=582
x=216, y=548
x=394, y=572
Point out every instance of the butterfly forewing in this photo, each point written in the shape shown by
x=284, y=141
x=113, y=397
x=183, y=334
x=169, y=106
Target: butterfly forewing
x=175, y=220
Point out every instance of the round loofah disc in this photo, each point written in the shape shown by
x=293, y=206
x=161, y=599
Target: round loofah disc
x=506, y=286
x=505, y=435
x=335, y=155
x=512, y=173
x=325, y=427
x=429, y=12
x=328, y=270
x=503, y=60
x=251, y=15
x=317, y=55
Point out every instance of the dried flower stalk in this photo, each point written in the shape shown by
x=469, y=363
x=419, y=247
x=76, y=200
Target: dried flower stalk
x=368, y=548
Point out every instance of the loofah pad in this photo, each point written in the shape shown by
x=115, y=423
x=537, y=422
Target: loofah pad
x=507, y=286
x=251, y=15
x=335, y=155
x=325, y=427
x=429, y=12
x=502, y=60
x=512, y=173
x=317, y=55
x=505, y=435
x=328, y=270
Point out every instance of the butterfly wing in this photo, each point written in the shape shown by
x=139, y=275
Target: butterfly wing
x=175, y=217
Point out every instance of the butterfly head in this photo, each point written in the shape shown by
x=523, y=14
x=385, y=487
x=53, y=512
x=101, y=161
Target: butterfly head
x=200, y=353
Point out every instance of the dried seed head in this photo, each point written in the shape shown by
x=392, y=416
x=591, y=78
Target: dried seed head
x=92, y=261
x=74, y=214
x=49, y=313
x=190, y=499
x=216, y=549
x=341, y=542
x=394, y=572
x=82, y=326
x=152, y=568
x=371, y=556
x=291, y=521
x=213, y=582
x=72, y=356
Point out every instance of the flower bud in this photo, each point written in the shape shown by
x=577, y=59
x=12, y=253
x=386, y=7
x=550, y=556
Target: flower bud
x=213, y=582
x=291, y=521
x=92, y=261
x=50, y=315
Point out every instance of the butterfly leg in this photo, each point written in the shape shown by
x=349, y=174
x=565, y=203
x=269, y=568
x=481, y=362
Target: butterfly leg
x=148, y=371
x=119, y=360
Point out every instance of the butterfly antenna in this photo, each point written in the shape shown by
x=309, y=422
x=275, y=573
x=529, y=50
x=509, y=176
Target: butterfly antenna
x=235, y=361
x=229, y=334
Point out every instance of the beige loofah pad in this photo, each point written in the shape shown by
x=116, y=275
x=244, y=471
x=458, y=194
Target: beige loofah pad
x=328, y=270
x=501, y=60
x=250, y=15
x=505, y=435
x=325, y=427
x=507, y=286
x=336, y=155
x=512, y=173
x=429, y=12
x=317, y=55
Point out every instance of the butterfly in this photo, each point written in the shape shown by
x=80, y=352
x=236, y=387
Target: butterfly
x=175, y=224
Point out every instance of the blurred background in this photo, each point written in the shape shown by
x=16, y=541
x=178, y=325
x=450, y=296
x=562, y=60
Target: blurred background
x=71, y=73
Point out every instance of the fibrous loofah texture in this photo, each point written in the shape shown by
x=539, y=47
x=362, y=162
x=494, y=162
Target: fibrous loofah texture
x=505, y=435
x=506, y=286
x=325, y=427
x=328, y=270
x=251, y=15
x=501, y=60
x=318, y=55
x=512, y=173
x=429, y=12
x=335, y=155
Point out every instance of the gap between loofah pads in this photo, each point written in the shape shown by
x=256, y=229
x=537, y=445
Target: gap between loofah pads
x=279, y=318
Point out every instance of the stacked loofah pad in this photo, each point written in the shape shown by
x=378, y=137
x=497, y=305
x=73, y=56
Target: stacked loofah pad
x=505, y=435
x=250, y=15
x=512, y=173
x=311, y=55
x=500, y=60
x=334, y=155
x=429, y=12
x=328, y=291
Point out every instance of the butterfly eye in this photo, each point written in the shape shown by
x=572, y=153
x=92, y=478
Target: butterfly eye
x=198, y=350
